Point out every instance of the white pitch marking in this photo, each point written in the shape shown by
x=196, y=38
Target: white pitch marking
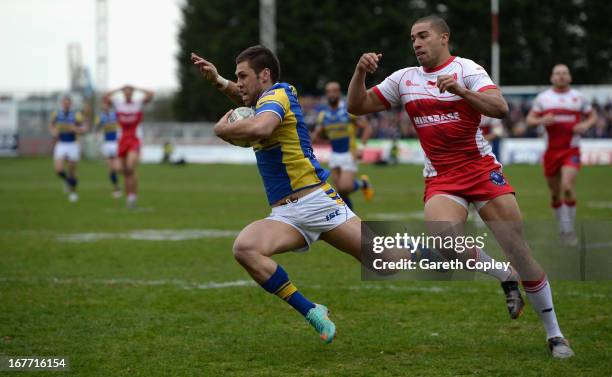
x=150, y=235
x=599, y=204
x=136, y=282
x=250, y=283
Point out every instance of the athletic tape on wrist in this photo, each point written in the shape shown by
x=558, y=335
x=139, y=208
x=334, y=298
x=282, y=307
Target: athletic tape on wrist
x=222, y=83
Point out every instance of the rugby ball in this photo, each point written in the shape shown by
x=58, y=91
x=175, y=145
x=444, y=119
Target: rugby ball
x=236, y=115
x=241, y=113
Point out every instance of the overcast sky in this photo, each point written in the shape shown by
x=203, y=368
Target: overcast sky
x=34, y=35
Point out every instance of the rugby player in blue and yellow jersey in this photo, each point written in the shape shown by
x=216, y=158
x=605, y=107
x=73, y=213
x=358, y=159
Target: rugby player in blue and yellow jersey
x=304, y=207
x=65, y=126
x=107, y=122
x=340, y=127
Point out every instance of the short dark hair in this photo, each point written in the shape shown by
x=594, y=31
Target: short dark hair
x=436, y=22
x=259, y=58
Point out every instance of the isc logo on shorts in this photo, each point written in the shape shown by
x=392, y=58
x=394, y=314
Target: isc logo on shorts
x=332, y=215
x=497, y=178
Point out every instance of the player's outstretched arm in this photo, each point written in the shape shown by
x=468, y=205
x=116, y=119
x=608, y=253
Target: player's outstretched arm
x=109, y=95
x=209, y=72
x=360, y=100
x=258, y=127
x=148, y=94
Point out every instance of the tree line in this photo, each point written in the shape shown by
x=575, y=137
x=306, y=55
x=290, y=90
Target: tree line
x=319, y=41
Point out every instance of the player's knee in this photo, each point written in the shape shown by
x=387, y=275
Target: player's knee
x=244, y=250
x=555, y=197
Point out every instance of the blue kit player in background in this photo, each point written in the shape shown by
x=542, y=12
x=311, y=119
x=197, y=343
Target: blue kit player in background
x=304, y=207
x=340, y=127
x=65, y=127
x=107, y=122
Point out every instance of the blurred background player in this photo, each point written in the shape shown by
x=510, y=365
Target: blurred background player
x=340, y=128
x=66, y=124
x=565, y=114
x=129, y=116
x=445, y=98
x=492, y=131
x=107, y=122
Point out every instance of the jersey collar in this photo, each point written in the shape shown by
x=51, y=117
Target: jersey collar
x=450, y=60
x=556, y=90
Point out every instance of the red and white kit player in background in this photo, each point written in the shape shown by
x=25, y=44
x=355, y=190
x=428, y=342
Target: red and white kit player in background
x=445, y=98
x=129, y=115
x=566, y=114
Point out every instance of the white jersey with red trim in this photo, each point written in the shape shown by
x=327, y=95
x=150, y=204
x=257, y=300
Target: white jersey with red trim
x=129, y=116
x=447, y=126
x=567, y=108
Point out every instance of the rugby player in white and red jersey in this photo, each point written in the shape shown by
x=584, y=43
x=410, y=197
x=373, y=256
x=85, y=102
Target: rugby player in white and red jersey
x=565, y=114
x=129, y=115
x=445, y=98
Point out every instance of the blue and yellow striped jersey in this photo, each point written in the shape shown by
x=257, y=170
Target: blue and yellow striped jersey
x=285, y=160
x=339, y=126
x=64, y=121
x=108, y=122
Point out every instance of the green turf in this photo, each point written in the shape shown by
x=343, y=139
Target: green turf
x=125, y=307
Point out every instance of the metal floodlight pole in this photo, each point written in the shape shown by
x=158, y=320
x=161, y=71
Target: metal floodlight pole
x=267, y=24
x=101, y=44
x=495, y=41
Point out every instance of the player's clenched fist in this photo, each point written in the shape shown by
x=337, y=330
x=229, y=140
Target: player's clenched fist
x=447, y=83
x=209, y=71
x=369, y=62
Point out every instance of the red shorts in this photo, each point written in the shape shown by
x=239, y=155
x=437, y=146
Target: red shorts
x=128, y=144
x=554, y=159
x=478, y=181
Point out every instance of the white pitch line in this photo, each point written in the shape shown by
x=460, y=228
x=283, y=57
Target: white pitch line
x=149, y=235
x=135, y=282
x=250, y=283
x=599, y=204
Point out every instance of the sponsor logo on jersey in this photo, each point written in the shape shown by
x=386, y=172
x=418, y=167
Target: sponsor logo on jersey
x=429, y=120
x=564, y=118
x=127, y=118
x=410, y=83
x=497, y=178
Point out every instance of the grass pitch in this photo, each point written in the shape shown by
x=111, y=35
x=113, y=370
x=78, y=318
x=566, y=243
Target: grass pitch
x=126, y=301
